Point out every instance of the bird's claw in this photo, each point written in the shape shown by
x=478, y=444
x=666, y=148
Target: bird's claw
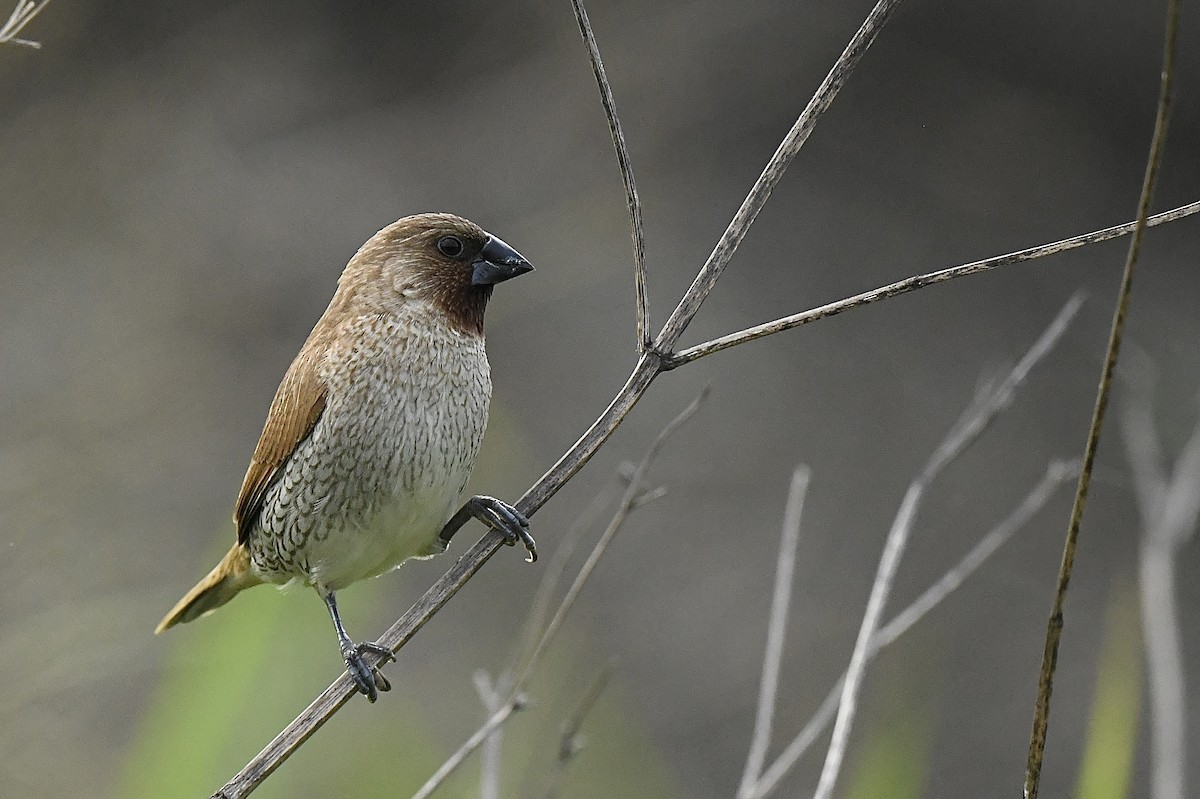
x=509, y=522
x=368, y=680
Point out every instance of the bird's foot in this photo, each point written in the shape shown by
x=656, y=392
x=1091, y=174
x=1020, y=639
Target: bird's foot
x=508, y=521
x=369, y=681
x=496, y=514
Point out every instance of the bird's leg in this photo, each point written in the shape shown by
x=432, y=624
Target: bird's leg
x=368, y=680
x=498, y=515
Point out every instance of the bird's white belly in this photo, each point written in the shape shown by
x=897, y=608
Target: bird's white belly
x=401, y=527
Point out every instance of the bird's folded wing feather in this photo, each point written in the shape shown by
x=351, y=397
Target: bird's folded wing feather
x=294, y=413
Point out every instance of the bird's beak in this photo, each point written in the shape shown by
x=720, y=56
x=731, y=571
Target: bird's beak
x=496, y=263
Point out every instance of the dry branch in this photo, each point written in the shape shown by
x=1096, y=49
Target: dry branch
x=1055, y=476
x=969, y=427
x=470, y=745
x=785, y=567
x=1169, y=507
x=653, y=361
x=915, y=282
x=514, y=684
x=649, y=365
x=1054, y=626
x=571, y=740
x=641, y=311
x=22, y=15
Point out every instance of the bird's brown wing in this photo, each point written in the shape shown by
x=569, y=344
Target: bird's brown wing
x=294, y=413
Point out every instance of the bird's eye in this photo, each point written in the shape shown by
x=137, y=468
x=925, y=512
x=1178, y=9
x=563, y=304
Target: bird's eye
x=450, y=246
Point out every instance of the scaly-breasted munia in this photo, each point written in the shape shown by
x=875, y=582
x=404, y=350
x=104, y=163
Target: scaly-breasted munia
x=375, y=428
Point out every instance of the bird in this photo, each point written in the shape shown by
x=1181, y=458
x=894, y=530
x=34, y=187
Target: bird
x=374, y=429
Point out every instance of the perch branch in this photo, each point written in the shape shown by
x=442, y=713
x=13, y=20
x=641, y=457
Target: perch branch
x=969, y=427
x=1054, y=626
x=492, y=695
x=628, y=502
x=648, y=366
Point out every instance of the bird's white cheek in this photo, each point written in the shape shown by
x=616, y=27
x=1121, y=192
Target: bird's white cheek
x=405, y=287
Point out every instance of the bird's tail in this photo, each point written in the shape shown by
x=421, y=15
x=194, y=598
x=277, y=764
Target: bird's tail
x=230, y=576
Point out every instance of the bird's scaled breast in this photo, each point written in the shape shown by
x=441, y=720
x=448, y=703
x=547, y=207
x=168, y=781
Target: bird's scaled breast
x=405, y=412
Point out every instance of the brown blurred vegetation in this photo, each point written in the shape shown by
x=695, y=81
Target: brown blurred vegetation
x=180, y=185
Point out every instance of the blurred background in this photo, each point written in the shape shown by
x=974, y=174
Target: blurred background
x=181, y=184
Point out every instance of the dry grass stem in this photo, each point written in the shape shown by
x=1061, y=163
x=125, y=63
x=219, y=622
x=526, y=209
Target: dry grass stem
x=641, y=310
x=972, y=423
x=539, y=609
x=493, y=695
x=1169, y=506
x=470, y=745
x=915, y=282
x=22, y=15
x=1056, y=475
x=781, y=597
x=1054, y=626
x=571, y=741
x=628, y=501
x=711, y=272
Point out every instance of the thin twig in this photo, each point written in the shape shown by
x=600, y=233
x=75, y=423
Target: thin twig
x=539, y=609
x=515, y=684
x=919, y=282
x=785, y=568
x=771, y=175
x=628, y=501
x=470, y=745
x=1169, y=509
x=631, y=195
x=973, y=422
x=571, y=742
x=1054, y=626
x=21, y=16
x=1056, y=475
x=491, y=695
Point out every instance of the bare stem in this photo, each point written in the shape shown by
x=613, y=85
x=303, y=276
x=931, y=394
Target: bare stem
x=491, y=695
x=1041, y=716
x=973, y=422
x=571, y=742
x=469, y=746
x=919, y=282
x=785, y=568
x=631, y=195
x=22, y=15
x=539, y=609
x=628, y=502
x=1169, y=508
x=514, y=684
x=1056, y=475
x=649, y=365
x=771, y=175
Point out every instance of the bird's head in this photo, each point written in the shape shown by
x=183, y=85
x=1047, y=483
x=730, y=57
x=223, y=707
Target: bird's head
x=440, y=259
